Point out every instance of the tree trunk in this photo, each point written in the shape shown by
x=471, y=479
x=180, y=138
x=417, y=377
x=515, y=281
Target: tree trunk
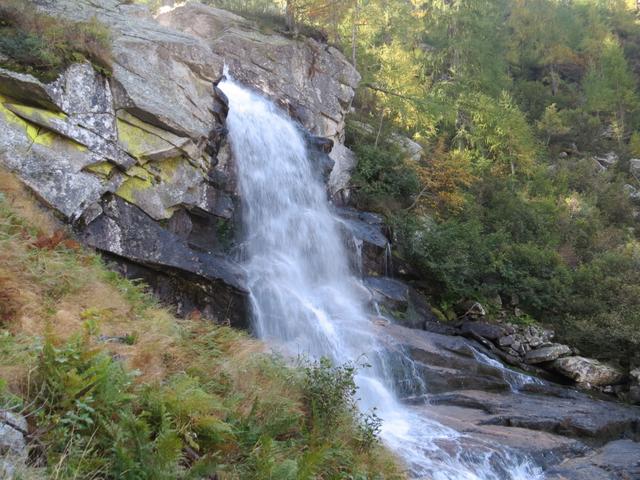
x=354, y=32
x=379, y=128
x=554, y=80
x=290, y=16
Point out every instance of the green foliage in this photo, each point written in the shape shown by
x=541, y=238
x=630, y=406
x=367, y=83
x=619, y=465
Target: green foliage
x=42, y=45
x=497, y=134
x=329, y=393
x=100, y=422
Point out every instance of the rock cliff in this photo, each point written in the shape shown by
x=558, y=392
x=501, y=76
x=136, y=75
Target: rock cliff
x=138, y=163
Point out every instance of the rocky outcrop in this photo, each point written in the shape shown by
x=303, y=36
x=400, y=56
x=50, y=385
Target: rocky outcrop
x=587, y=371
x=615, y=461
x=526, y=346
x=138, y=162
x=546, y=354
x=364, y=235
x=160, y=75
x=13, y=444
x=312, y=81
x=458, y=383
x=134, y=161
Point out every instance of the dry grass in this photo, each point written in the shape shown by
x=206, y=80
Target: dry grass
x=43, y=45
x=54, y=288
x=51, y=288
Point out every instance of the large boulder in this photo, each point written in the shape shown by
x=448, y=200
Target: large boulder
x=587, y=371
x=443, y=363
x=547, y=354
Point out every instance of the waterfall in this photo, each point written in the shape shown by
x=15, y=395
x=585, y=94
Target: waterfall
x=305, y=299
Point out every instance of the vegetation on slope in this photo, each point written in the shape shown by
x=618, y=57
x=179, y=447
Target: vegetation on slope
x=114, y=386
x=35, y=43
x=512, y=100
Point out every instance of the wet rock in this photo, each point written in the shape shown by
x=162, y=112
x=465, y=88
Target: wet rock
x=544, y=448
x=125, y=231
x=318, y=149
x=618, y=460
x=587, y=371
x=547, y=354
x=575, y=415
x=391, y=294
x=444, y=363
x=363, y=232
x=403, y=303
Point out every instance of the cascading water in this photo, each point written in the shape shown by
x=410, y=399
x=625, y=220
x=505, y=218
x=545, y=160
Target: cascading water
x=306, y=300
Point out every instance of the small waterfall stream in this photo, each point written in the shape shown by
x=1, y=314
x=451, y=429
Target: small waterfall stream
x=306, y=300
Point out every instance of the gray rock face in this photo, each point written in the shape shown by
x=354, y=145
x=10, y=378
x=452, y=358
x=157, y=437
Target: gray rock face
x=151, y=135
x=159, y=74
x=25, y=88
x=588, y=371
x=13, y=445
x=12, y=430
x=443, y=362
x=615, y=461
x=345, y=163
x=123, y=230
x=566, y=432
x=313, y=82
x=547, y=354
x=364, y=236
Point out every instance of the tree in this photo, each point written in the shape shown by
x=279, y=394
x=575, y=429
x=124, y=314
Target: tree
x=552, y=124
x=609, y=86
x=497, y=134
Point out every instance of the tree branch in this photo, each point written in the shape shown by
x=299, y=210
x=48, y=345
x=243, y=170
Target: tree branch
x=390, y=92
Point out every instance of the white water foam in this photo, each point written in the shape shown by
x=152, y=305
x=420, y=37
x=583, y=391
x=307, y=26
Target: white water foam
x=304, y=296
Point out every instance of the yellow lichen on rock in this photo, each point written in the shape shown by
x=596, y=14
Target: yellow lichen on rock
x=103, y=169
x=141, y=144
x=132, y=185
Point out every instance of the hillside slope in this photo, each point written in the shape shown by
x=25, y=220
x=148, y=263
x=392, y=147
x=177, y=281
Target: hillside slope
x=114, y=386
